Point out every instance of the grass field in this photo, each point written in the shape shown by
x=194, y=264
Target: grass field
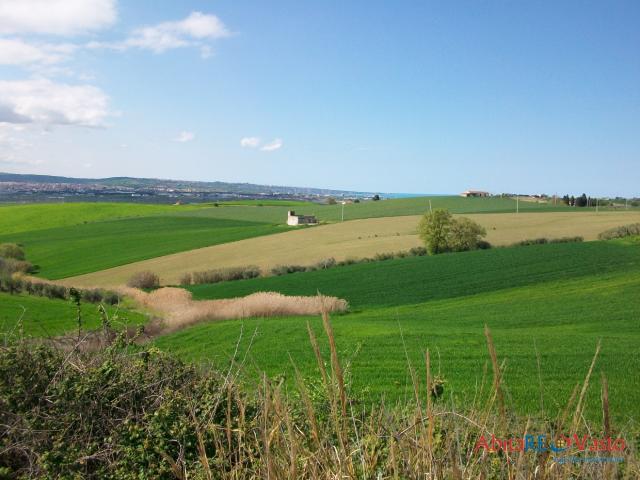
x=558, y=299
x=24, y=218
x=73, y=250
x=43, y=317
x=358, y=238
x=276, y=213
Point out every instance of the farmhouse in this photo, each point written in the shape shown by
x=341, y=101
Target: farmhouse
x=293, y=219
x=475, y=193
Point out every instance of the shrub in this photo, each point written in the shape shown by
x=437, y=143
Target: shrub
x=567, y=240
x=111, y=298
x=418, y=251
x=326, y=263
x=144, y=280
x=621, y=232
x=224, y=275
x=92, y=296
x=186, y=279
x=11, y=265
x=52, y=291
x=285, y=269
x=531, y=241
x=11, y=250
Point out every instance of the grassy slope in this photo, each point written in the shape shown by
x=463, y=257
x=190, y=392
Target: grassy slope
x=44, y=317
x=23, y=218
x=419, y=279
x=73, y=250
x=565, y=319
x=566, y=297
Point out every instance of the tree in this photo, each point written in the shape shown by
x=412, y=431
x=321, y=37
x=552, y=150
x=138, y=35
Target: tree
x=442, y=233
x=566, y=200
x=465, y=234
x=376, y=197
x=434, y=231
x=581, y=201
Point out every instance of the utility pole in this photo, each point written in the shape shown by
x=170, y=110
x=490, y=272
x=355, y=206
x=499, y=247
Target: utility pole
x=343, y=202
x=517, y=204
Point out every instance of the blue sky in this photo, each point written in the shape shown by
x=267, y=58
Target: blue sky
x=429, y=97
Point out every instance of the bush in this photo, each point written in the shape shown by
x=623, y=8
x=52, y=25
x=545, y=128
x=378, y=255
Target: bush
x=544, y=241
x=11, y=265
x=11, y=250
x=92, y=296
x=567, y=240
x=144, y=280
x=186, y=279
x=111, y=298
x=418, y=251
x=52, y=291
x=285, y=269
x=224, y=275
x=621, y=232
x=326, y=263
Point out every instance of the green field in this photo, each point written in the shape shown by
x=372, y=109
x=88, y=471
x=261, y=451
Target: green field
x=41, y=216
x=560, y=299
x=43, y=317
x=371, y=209
x=74, y=250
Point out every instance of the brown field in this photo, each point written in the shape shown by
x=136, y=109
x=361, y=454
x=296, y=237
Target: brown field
x=356, y=238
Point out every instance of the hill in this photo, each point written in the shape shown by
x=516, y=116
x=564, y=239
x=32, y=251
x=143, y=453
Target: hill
x=549, y=304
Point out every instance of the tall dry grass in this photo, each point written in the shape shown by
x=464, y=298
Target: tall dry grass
x=177, y=308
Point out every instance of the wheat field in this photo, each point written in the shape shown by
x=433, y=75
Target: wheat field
x=356, y=238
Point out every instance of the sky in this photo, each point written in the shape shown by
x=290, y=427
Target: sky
x=388, y=96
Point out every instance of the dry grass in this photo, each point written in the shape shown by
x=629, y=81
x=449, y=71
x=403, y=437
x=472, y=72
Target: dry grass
x=356, y=238
x=178, y=310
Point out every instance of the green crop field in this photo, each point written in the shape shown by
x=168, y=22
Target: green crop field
x=419, y=279
x=276, y=213
x=43, y=317
x=73, y=250
x=559, y=299
x=24, y=218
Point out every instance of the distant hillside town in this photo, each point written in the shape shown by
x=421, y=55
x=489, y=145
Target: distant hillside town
x=39, y=188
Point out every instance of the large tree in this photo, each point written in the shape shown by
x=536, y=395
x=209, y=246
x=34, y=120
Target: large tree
x=443, y=233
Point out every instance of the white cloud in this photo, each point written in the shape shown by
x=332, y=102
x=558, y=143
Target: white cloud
x=13, y=145
x=192, y=31
x=56, y=17
x=273, y=145
x=44, y=102
x=18, y=52
x=184, y=137
x=250, y=142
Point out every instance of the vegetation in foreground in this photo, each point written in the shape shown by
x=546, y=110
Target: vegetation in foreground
x=127, y=412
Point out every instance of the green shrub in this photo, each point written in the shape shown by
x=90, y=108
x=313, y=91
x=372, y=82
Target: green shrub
x=224, y=275
x=285, y=269
x=11, y=250
x=621, y=232
x=144, y=280
x=11, y=265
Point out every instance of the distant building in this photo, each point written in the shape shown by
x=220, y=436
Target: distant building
x=293, y=219
x=475, y=193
